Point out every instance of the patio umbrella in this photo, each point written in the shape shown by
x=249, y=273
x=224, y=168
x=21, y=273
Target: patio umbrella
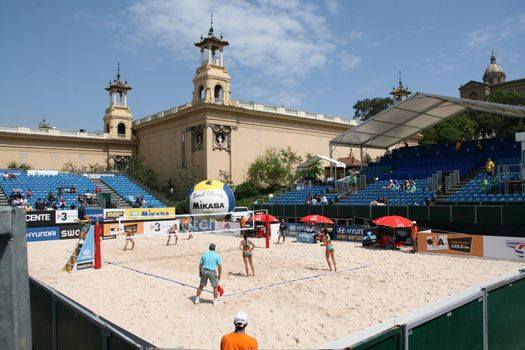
x=316, y=219
x=263, y=217
x=393, y=221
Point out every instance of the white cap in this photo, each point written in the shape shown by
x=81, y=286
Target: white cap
x=241, y=319
x=413, y=222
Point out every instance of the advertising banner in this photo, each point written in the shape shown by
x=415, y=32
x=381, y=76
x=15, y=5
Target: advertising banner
x=111, y=231
x=158, y=227
x=86, y=256
x=204, y=224
x=42, y=172
x=348, y=233
x=305, y=237
x=504, y=247
x=40, y=218
x=66, y=216
x=37, y=234
x=294, y=229
x=113, y=214
x=94, y=213
x=96, y=176
x=69, y=231
x=449, y=243
x=149, y=213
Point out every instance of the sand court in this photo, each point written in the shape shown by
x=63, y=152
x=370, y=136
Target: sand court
x=293, y=301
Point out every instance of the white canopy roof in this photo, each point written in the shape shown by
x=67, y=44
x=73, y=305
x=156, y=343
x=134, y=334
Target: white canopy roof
x=315, y=159
x=409, y=117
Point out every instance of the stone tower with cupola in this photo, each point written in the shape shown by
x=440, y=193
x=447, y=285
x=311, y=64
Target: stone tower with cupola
x=494, y=74
x=211, y=83
x=118, y=118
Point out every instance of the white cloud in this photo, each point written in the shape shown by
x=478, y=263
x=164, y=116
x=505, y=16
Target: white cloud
x=332, y=5
x=287, y=38
x=349, y=61
x=356, y=34
x=487, y=37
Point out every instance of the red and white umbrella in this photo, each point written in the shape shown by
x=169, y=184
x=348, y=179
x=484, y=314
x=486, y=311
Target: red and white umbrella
x=393, y=221
x=263, y=218
x=316, y=219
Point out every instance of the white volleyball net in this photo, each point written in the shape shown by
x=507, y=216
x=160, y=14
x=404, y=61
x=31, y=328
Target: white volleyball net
x=228, y=223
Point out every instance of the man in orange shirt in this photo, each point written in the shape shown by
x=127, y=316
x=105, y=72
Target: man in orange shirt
x=238, y=339
x=413, y=233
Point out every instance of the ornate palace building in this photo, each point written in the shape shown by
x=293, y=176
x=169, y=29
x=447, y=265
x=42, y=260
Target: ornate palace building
x=494, y=79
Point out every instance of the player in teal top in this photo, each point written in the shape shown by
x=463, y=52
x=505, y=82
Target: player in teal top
x=246, y=246
x=210, y=268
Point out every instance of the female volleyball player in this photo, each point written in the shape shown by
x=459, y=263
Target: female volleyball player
x=246, y=246
x=329, y=252
x=173, y=231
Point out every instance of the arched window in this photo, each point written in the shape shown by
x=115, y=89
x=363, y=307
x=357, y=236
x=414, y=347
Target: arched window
x=219, y=94
x=121, y=129
x=201, y=93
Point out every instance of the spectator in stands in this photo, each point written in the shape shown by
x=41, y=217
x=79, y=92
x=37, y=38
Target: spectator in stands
x=459, y=146
x=324, y=200
x=479, y=147
x=484, y=185
x=40, y=205
x=396, y=185
x=98, y=190
x=88, y=196
x=390, y=184
x=412, y=186
x=5, y=175
x=489, y=167
x=29, y=193
x=62, y=202
x=51, y=197
x=313, y=201
x=28, y=207
x=238, y=339
x=494, y=184
x=73, y=190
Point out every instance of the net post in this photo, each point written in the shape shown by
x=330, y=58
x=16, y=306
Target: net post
x=98, y=256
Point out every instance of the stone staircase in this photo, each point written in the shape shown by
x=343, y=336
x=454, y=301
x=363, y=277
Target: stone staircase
x=443, y=198
x=121, y=202
x=3, y=198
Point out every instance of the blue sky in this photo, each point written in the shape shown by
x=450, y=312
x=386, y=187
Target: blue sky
x=319, y=56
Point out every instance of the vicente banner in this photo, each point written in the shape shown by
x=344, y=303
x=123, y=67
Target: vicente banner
x=40, y=218
x=450, y=243
x=504, y=247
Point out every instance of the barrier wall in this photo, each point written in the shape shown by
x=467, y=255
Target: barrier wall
x=494, y=219
x=490, y=316
x=60, y=323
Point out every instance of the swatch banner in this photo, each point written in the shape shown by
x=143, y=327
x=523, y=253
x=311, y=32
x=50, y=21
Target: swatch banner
x=348, y=233
x=450, y=243
x=86, y=257
x=69, y=231
x=504, y=247
x=294, y=229
x=37, y=234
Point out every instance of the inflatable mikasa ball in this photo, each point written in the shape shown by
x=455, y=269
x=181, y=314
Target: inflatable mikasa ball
x=211, y=197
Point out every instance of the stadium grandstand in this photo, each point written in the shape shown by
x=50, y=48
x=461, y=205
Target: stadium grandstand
x=39, y=190
x=425, y=174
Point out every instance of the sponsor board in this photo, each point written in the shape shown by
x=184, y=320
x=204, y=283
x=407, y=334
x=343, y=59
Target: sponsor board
x=40, y=218
x=294, y=229
x=504, y=247
x=449, y=243
x=204, y=224
x=86, y=256
x=66, y=216
x=110, y=231
x=305, y=237
x=37, y=234
x=369, y=236
x=113, y=214
x=96, y=176
x=348, y=233
x=158, y=227
x=42, y=172
x=95, y=213
x=148, y=213
x=69, y=231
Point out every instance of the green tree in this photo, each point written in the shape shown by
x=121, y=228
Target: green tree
x=274, y=169
x=460, y=127
x=367, y=108
x=503, y=126
x=14, y=165
x=135, y=168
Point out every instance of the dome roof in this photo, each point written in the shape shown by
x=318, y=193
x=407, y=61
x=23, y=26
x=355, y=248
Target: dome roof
x=493, y=67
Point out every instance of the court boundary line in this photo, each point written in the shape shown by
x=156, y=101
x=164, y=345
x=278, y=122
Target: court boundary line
x=271, y=285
